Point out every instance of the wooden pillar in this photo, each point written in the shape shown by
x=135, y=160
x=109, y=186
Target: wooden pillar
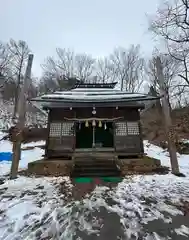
x=168, y=121
x=47, y=135
x=21, y=120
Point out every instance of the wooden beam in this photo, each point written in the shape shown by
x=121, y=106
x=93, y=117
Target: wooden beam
x=168, y=121
x=21, y=120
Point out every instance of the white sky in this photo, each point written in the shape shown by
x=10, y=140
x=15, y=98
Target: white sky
x=93, y=27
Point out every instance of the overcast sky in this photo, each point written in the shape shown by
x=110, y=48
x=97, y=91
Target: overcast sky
x=90, y=26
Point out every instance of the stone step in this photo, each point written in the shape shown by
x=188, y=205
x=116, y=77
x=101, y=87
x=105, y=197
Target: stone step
x=94, y=163
x=82, y=169
x=95, y=168
x=94, y=156
x=91, y=159
x=95, y=174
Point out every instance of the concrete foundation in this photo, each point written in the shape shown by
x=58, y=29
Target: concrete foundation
x=50, y=167
x=140, y=165
x=56, y=167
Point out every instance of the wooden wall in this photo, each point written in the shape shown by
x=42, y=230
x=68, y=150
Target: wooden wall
x=129, y=114
x=126, y=144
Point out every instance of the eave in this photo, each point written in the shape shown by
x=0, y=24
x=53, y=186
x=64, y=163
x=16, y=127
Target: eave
x=138, y=102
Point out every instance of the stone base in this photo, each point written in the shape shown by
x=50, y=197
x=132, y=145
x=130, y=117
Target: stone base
x=50, y=168
x=141, y=165
x=144, y=165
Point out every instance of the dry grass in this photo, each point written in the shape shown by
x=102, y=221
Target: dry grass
x=154, y=130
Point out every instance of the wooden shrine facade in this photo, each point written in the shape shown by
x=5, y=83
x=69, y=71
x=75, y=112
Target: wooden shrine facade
x=93, y=118
x=126, y=130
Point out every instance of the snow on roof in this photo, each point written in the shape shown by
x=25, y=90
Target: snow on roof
x=76, y=90
x=91, y=97
x=92, y=94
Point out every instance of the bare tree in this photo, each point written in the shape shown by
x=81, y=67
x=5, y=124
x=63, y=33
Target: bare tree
x=124, y=65
x=51, y=74
x=46, y=85
x=32, y=87
x=69, y=64
x=170, y=72
x=104, y=70
x=128, y=67
x=172, y=21
x=5, y=60
x=62, y=71
x=180, y=52
x=172, y=24
x=84, y=66
x=50, y=67
x=54, y=77
x=66, y=61
x=52, y=82
x=19, y=51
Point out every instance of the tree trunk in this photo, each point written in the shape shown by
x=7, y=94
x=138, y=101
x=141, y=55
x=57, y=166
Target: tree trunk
x=17, y=91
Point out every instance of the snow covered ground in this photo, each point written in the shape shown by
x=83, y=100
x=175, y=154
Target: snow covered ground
x=26, y=156
x=140, y=207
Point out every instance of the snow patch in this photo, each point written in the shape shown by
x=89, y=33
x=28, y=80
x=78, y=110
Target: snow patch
x=183, y=230
x=34, y=144
x=26, y=155
x=33, y=207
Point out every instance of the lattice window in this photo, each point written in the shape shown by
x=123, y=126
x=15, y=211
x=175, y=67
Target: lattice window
x=133, y=128
x=121, y=129
x=68, y=129
x=55, y=129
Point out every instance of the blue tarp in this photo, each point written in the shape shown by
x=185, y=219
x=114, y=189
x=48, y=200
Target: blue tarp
x=5, y=156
